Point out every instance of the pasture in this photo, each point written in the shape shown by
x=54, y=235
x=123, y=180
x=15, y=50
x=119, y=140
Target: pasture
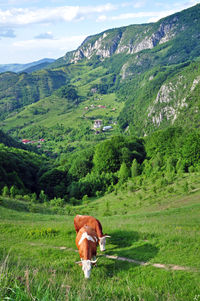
x=38, y=254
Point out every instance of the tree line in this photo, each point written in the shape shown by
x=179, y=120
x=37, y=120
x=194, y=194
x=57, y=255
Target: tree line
x=101, y=169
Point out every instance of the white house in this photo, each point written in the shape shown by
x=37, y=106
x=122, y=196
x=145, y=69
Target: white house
x=97, y=123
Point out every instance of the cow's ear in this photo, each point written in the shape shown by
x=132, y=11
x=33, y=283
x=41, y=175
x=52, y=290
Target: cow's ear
x=79, y=263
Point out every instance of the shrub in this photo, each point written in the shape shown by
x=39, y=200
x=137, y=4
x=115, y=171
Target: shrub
x=186, y=187
x=13, y=191
x=85, y=198
x=37, y=233
x=5, y=191
x=191, y=169
x=42, y=196
x=99, y=193
x=134, y=169
x=123, y=173
x=57, y=202
x=34, y=198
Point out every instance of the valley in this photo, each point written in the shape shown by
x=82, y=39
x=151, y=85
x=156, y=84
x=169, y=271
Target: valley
x=112, y=130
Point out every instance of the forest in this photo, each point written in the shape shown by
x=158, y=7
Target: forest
x=100, y=169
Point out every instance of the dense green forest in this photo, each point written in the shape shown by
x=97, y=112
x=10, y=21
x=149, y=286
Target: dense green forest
x=95, y=171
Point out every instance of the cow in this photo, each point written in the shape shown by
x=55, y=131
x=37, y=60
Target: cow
x=81, y=220
x=86, y=242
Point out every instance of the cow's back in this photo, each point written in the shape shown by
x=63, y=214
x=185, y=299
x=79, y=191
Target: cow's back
x=82, y=220
x=88, y=230
x=86, y=244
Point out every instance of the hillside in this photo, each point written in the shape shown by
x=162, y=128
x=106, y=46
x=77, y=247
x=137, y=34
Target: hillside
x=26, y=67
x=19, y=90
x=146, y=75
x=110, y=130
x=152, y=252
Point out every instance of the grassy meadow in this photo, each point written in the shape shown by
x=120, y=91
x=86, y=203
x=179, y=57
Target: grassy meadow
x=160, y=231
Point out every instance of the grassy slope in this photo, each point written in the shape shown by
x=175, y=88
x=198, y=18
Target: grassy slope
x=53, y=111
x=164, y=228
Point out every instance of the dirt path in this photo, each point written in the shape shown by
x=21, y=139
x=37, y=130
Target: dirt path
x=156, y=265
x=143, y=263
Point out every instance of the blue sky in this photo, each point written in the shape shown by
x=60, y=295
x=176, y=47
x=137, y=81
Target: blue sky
x=32, y=30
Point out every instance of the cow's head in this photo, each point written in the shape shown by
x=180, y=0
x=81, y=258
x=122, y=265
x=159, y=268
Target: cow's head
x=87, y=266
x=102, y=242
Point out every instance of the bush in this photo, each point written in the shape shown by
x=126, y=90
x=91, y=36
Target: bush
x=13, y=191
x=123, y=173
x=42, y=196
x=85, y=198
x=5, y=191
x=37, y=233
x=57, y=202
x=99, y=193
x=191, y=169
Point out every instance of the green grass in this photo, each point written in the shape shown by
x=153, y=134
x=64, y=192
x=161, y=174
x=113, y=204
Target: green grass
x=38, y=252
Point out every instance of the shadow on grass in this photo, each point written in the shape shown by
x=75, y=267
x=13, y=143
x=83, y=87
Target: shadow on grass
x=121, y=245
x=124, y=238
x=142, y=253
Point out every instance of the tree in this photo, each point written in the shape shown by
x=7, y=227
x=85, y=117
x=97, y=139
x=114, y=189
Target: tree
x=110, y=154
x=68, y=92
x=180, y=166
x=134, y=169
x=106, y=158
x=42, y=196
x=54, y=182
x=191, y=148
x=5, y=191
x=81, y=164
x=13, y=191
x=124, y=173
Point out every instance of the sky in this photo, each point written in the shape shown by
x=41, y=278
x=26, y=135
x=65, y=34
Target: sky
x=31, y=30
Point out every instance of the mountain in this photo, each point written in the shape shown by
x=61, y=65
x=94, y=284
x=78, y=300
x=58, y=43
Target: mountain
x=180, y=29
x=137, y=78
x=19, y=90
x=30, y=67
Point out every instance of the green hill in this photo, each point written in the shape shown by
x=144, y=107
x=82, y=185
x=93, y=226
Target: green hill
x=134, y=80
x=138, y=172
x=152, y=252
x=147, y=75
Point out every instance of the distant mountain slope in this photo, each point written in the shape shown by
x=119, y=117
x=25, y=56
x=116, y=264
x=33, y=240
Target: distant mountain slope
x=181, y=30
x=9, y=141
x=26, y=67
x=149, y=73
x=18, y=90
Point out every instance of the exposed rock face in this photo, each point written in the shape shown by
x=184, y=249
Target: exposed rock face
x=195, y=83
x=101, y=47
x=115, y=42
x=169, y=101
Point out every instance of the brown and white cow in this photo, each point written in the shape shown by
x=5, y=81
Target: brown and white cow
x=86, y=242
x=81, y=220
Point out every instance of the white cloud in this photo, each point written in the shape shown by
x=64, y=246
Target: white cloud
x=101, y=18
x=44, y=35
x=135, y=4
x=153, y=16
x=135, y=15
x=25, y=16
x=7, y=33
